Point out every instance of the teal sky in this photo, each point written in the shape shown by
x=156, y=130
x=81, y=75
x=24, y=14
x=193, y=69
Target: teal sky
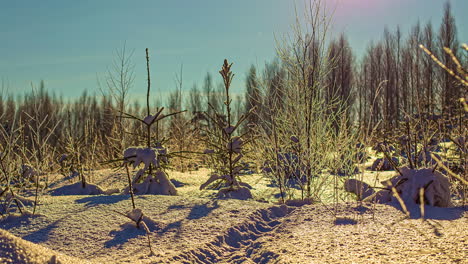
x=69, y=44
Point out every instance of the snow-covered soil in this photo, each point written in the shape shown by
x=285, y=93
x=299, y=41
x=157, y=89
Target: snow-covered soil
x=193, y=227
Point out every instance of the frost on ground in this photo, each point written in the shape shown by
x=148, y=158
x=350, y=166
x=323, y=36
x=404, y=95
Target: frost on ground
x=195, y=228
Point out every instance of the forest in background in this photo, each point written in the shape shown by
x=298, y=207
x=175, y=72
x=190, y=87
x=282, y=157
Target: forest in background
x=393, y=80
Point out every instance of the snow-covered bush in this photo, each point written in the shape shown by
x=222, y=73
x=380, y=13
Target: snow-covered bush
x=156, y=180
x=151, y=159
x=227, y=147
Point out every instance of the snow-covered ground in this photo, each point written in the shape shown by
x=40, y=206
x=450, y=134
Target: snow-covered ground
x=193, y=227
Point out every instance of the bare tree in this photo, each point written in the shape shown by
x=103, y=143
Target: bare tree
x=194, y=101
x=429, y=79
x=448, y=38
x=252, y=95
x=119, y=81
x=340, y=77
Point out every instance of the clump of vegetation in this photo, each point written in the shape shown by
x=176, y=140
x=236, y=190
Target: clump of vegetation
x=25, y=155
x=79, y=162
x=226, y=146
x=455, y=163
x=306, y=139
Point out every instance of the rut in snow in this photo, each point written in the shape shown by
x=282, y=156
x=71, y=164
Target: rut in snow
x=238, y=243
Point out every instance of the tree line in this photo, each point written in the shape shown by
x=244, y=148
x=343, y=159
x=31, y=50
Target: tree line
x=392, y=79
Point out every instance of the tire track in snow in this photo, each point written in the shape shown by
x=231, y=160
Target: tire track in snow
x=238, y=244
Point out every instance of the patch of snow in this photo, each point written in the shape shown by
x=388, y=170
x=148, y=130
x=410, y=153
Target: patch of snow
x=213, y=177
x=112, y=191
x=361, y=189
x=149, y=119
x=229, y=130
x=137, y=155
x=28, y=171
x=6, y=195
x=9, y=202
x=135, y=215
x=235, y=145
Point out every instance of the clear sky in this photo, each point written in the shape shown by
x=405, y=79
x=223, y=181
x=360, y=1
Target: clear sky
x=69, y=44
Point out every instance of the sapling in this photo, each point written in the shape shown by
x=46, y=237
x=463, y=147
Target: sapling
x=151, y=179
x=226, y=147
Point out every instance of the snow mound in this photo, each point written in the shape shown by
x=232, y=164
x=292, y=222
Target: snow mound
x=299, y=202
x=77, y=189
x=17, y=250
x=141, y=221
x=240, y=193
x=160, y=184
x=361, y=189
x=148, y=156
x=435, y=185
x=135, y=215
